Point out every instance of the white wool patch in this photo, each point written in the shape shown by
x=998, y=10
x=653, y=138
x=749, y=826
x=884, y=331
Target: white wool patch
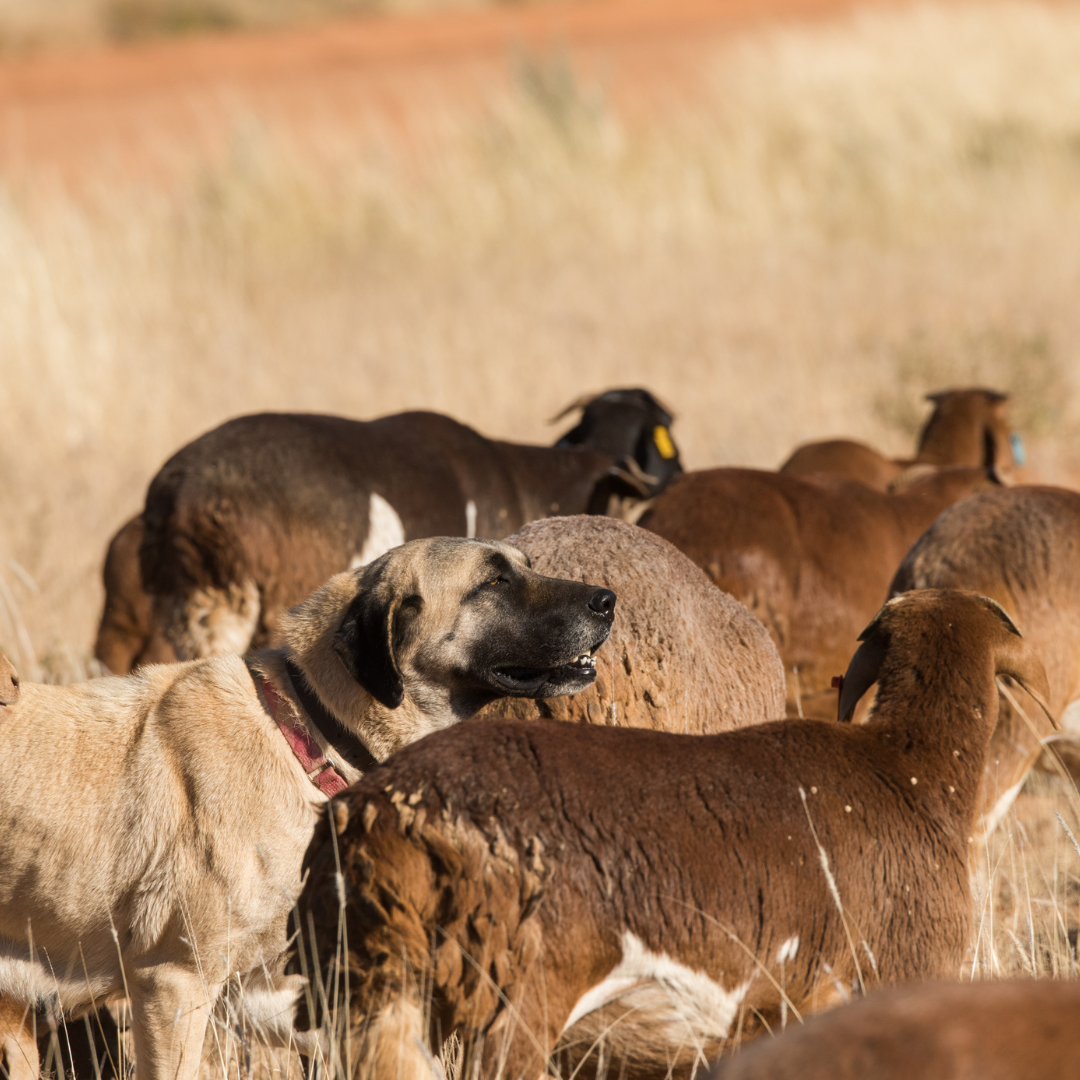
x=385, y=531
x=789, y=950
x=470, y=519
x=687, y=1003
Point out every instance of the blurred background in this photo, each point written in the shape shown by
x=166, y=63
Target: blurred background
x=788, y=218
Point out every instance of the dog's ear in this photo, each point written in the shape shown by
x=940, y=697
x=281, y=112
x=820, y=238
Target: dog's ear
x=365, y=639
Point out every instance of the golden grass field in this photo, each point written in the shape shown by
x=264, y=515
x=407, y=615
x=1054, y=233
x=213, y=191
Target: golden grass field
x=856, y=212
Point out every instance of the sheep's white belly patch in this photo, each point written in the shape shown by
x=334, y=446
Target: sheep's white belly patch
x=385, y=531
x=665, y=992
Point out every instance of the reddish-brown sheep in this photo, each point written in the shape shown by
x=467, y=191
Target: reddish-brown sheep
x=1009, y=1030
x=811, y=558
x=532, y=885
x=967, y=427
x=1020, y=546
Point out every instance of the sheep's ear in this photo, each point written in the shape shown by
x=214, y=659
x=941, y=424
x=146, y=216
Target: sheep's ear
x=660, y=405
x=577, y=403
x=1002, y=614
x=1015, y=658
x=365, y=639
x=863, y=670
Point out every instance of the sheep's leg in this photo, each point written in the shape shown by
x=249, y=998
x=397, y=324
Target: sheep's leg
x=170, y=1007
x=519, y=1043
x=394, y=1044
x=18, y=1048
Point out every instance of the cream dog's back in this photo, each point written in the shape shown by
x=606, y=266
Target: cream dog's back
x=122, y=829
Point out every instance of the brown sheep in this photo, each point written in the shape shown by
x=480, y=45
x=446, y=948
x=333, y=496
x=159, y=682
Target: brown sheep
x=517, y=878
x=126, y=638
x=811, y=558
x=245, y=521
x=1009, y=1030
x=967, y=427
x=682, y=656
x=1020, y=546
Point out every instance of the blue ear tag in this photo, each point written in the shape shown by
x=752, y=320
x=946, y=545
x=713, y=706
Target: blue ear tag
x=1016, y=441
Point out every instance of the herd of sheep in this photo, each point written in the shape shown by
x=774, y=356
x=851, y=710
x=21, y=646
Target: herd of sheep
x=645, y=768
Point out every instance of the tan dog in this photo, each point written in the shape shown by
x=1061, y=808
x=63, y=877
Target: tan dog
x=152, y=827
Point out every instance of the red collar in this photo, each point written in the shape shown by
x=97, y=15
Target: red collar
x=320, y=771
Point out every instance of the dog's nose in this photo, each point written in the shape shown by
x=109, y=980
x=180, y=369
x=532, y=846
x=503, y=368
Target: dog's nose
x=603, y=603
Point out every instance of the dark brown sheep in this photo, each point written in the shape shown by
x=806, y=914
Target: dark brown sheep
x=1009, y=1030
x=811, y=558
x=522, y=878
x=683, y=656
x=245, y=521
x=1020, y=546
x=127, y=638
x=967, y=427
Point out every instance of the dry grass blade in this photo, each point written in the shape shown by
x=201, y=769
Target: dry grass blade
x=834, y=892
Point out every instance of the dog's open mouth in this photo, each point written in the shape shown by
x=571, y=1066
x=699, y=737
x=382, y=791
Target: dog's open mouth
x=576, y=675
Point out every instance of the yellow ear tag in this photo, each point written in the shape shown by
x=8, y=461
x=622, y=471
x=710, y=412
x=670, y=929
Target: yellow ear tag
x=663, y=441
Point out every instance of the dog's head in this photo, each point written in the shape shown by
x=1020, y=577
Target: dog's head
x=445, y=625
x=9, y=682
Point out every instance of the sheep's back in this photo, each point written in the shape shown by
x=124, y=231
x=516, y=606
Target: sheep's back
x=1021, y=547
x=683, y=655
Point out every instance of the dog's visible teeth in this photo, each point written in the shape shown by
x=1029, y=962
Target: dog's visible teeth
x=584, y=660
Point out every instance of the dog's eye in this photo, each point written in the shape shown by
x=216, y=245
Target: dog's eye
x=498, y=581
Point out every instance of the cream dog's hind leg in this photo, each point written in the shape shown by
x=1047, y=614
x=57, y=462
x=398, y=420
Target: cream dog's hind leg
x=170, y=1007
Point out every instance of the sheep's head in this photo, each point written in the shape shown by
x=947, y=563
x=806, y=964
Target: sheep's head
x=955, y=631
x=631, y=426
x=971, y=427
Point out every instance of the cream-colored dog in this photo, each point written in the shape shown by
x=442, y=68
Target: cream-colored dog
x=152, y=827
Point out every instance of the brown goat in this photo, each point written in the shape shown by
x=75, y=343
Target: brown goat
x=1020, y=546
x=245, y=521
x=967, y=427
x=683, y=656
x=811, y=558
x=1010, y=1030
x=9, y=682
x=528, y=877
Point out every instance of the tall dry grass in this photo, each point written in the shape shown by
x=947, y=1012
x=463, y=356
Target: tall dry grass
x=857, y=213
